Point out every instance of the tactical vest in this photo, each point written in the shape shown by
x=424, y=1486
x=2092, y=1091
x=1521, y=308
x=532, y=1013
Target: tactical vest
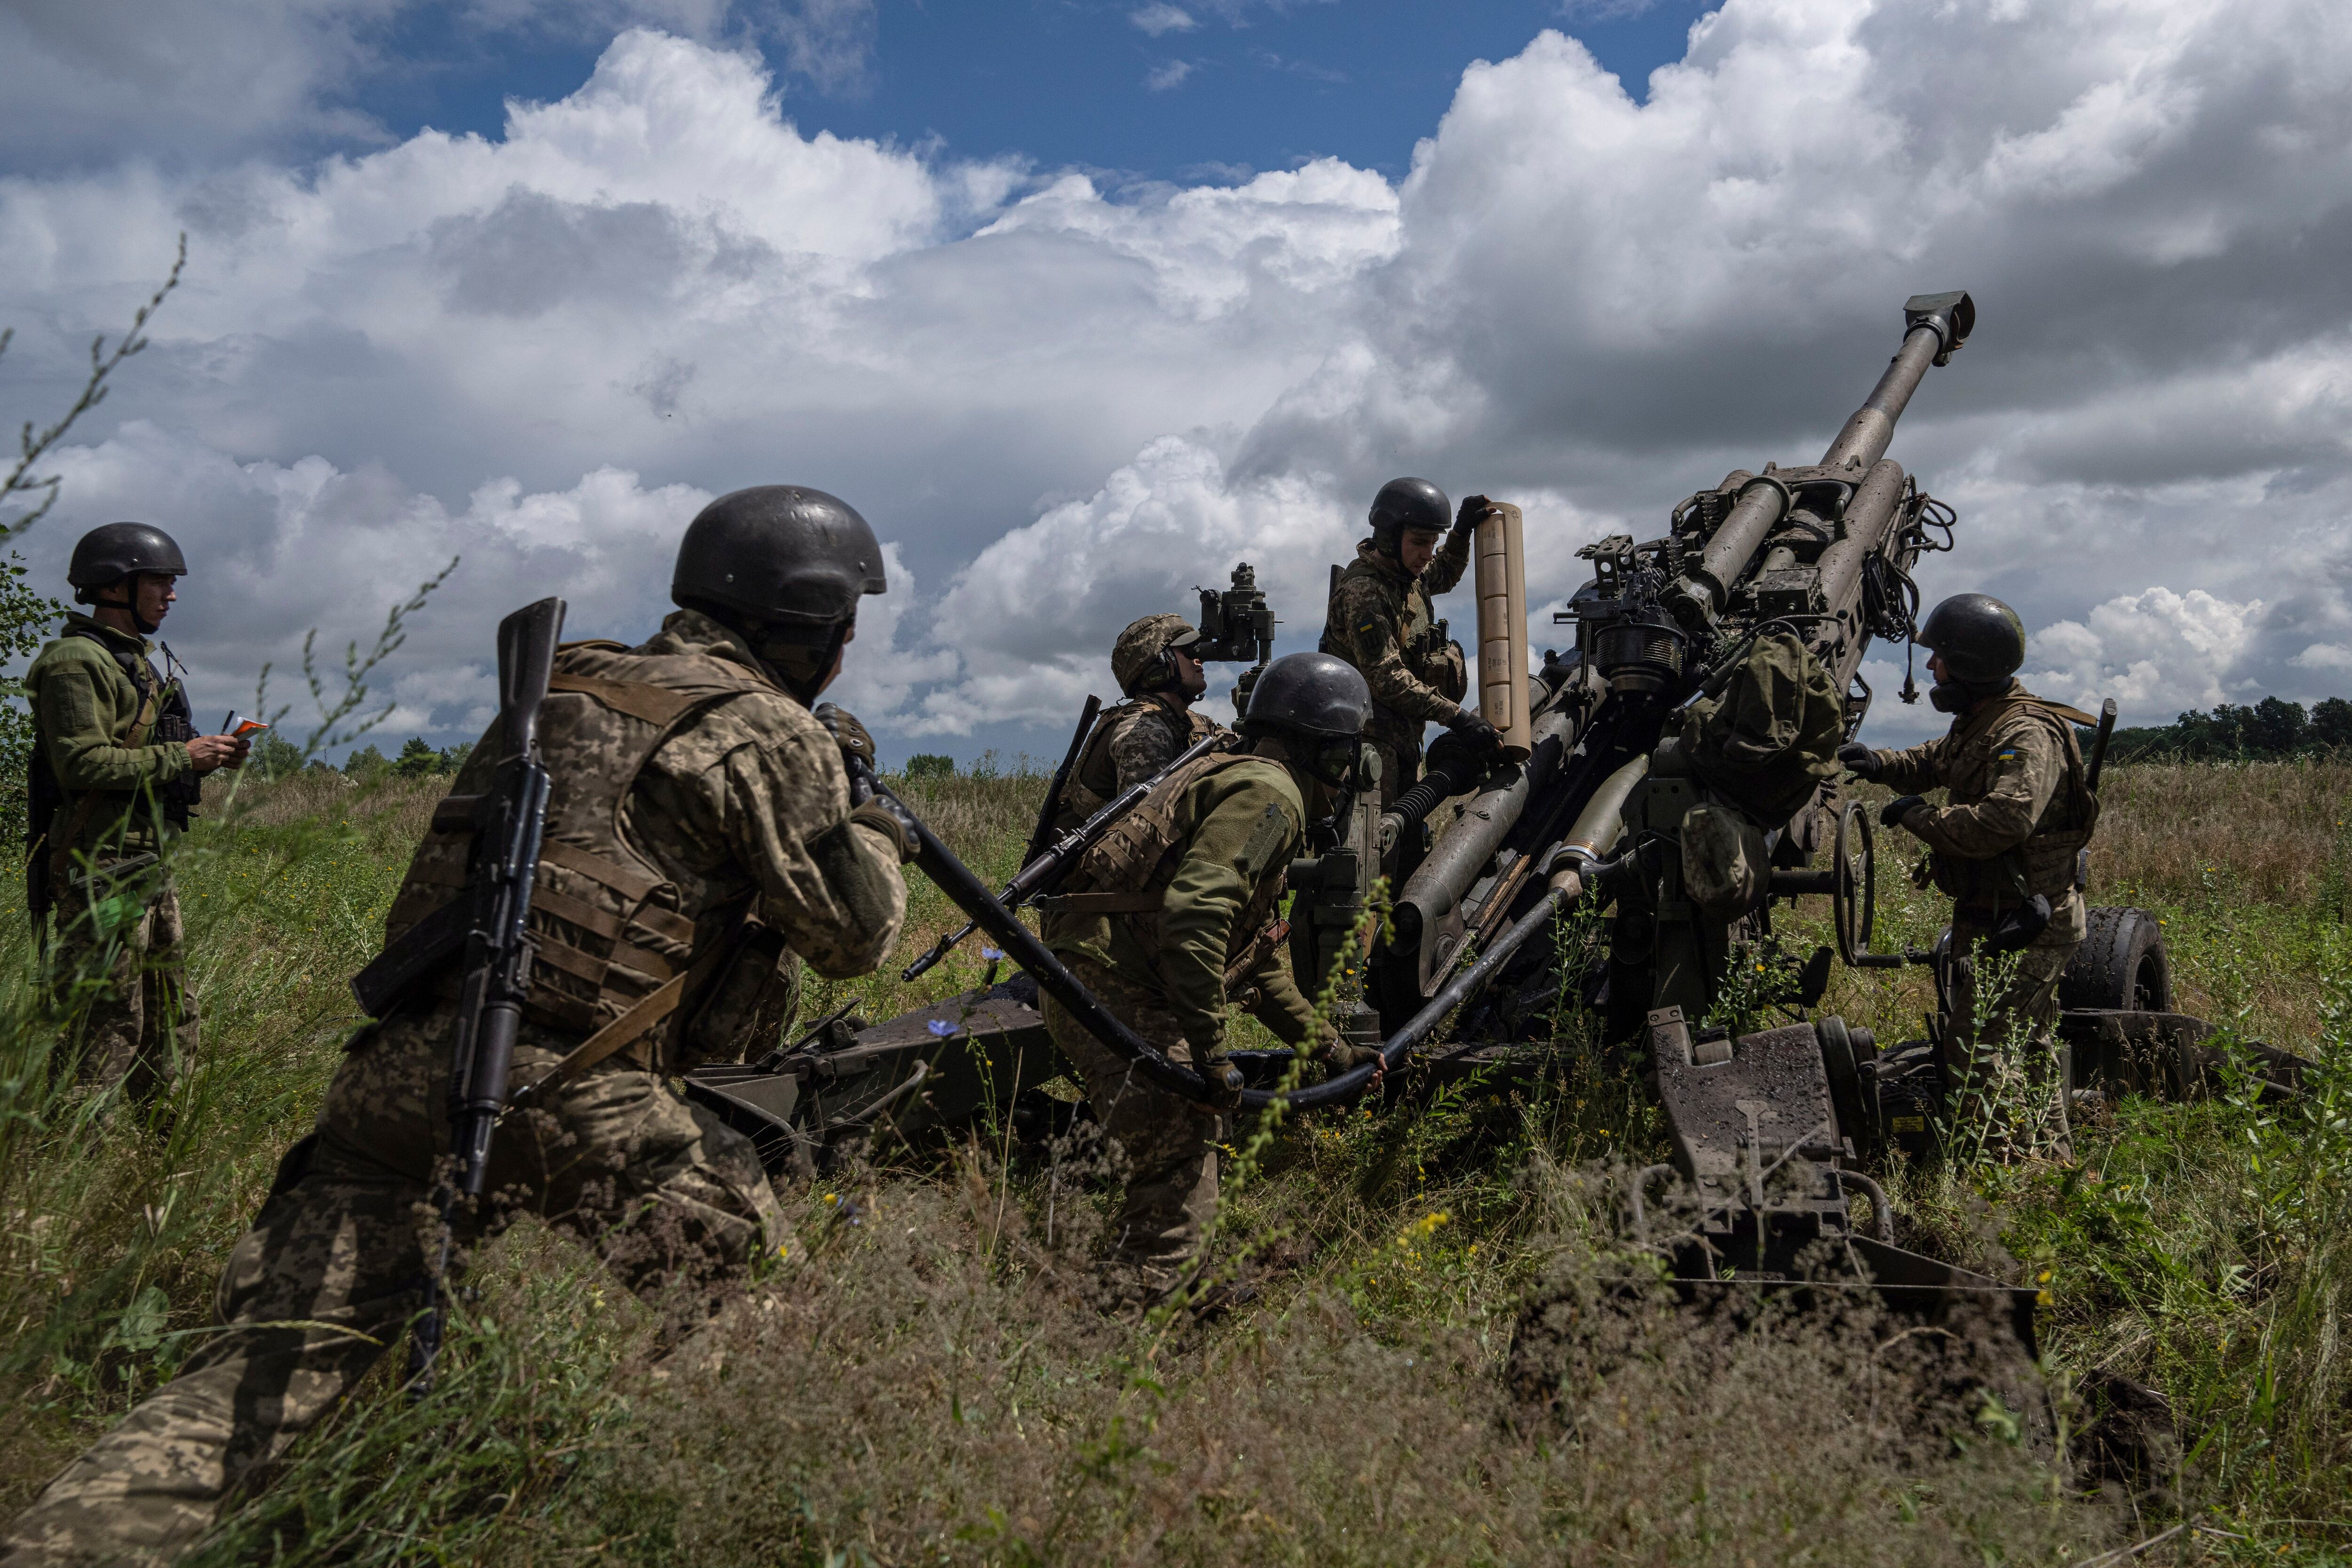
x=1429, y=656
x=1095, y=780
x=1127, y=874
x=611, y=927
x=2045, y=862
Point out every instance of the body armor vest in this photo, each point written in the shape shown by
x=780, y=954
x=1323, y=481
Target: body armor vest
x=2045, y=862
x=1429, y=655
x=1128, y=873
x=610, y=925
x=1095, y=780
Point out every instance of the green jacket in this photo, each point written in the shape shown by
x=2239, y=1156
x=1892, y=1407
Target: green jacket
x=1234, y=833
x=84, y=709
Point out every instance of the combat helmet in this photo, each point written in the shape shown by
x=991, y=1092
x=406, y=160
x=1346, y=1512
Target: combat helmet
x=107, y=554
x=1317, y=702
x=779, y=557
x=1407, y=503
x=785, y=566
x=1981, y=640
x=1139, y=661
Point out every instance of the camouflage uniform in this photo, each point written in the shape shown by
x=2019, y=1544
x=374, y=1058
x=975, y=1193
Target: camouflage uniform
x=1130, y=743
x=118, y=927
x=742, y=805
x=1165, y=937
x=2018, y=812
x=1380, y=621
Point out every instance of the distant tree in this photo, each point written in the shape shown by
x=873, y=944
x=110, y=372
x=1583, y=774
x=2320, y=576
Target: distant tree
x=2331, y=724
x=454, y=757
x=276, y=757
x=2275, y=728
x=25, y=620
x=367, y=765
x=931, y=765
x=416, y=760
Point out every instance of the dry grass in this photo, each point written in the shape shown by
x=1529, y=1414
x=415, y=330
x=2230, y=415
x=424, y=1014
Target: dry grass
x=926, y=1380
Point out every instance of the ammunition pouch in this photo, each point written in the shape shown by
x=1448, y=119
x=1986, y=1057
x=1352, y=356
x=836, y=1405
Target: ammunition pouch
x=1727, y=870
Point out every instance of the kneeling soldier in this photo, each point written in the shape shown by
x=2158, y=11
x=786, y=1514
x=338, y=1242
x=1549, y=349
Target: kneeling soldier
x=699, y=832
x=1174, y=913
x=1154, y=667
x=2005, y=847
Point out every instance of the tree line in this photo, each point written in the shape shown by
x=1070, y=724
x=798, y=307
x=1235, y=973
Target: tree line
x=2265, y=731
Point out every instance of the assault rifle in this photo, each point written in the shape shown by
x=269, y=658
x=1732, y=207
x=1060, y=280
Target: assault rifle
x=508, y=819
x=1045, y=870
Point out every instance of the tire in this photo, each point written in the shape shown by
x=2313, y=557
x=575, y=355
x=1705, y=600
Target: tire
x=2121, y=966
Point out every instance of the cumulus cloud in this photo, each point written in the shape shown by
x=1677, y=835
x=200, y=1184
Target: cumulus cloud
x=1167, y=75
x=1159, y=18
x=1066, y=404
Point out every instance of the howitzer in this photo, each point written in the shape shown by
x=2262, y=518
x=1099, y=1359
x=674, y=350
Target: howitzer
x=510, y=818
x=1045, y=869
x=1824, y=553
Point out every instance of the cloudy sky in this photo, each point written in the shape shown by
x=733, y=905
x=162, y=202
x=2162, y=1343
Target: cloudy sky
x=1081, y=302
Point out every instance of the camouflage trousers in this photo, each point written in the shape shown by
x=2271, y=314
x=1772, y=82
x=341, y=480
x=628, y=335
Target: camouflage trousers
x=1166, y=1142
x=330, y=1274
x=2007, y=1068
x=120, y=965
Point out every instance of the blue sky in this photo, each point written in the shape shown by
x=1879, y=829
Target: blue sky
x=1144, y=88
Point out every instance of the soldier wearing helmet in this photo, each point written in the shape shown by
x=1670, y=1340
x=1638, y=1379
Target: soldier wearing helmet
x=2006, y=848
x=114, y=773
x=700, y=841
x=1380, y=621
x=1157, y=673
x=1173, y=916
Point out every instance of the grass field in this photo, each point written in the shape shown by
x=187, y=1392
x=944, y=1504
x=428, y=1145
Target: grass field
x=921, y=1379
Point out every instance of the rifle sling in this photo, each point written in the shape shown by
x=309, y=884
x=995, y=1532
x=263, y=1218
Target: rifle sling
x=628, y=1028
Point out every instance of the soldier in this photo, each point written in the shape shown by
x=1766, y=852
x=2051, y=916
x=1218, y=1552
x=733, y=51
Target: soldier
x=1154, y=667
x=114, y=771
x=698, y=809
x=1172, y=915
x=2006, y=848
x=1380, y=621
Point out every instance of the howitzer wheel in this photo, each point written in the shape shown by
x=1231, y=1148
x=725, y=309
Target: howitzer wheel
x=1854, y=894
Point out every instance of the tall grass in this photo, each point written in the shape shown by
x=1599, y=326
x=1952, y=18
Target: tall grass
x=924, y=1377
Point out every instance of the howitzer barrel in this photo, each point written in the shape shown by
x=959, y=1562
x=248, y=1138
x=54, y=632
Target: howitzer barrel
x=1935, y=325
x=1435, y=889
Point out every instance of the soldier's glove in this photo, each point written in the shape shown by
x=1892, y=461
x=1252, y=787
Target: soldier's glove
x=1899, y=808
x=1472, y=511
x=846, y=731
x=1471, y=726
x=1224, y=1082
x=885, y=816
x=1340, y=1054
x=1860, y=759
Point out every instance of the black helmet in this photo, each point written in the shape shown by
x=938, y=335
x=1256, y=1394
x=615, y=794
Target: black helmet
x=1407, y=503
x=107, y=554
x=779, y=556
x=1981, y=640
x=1310, y=694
